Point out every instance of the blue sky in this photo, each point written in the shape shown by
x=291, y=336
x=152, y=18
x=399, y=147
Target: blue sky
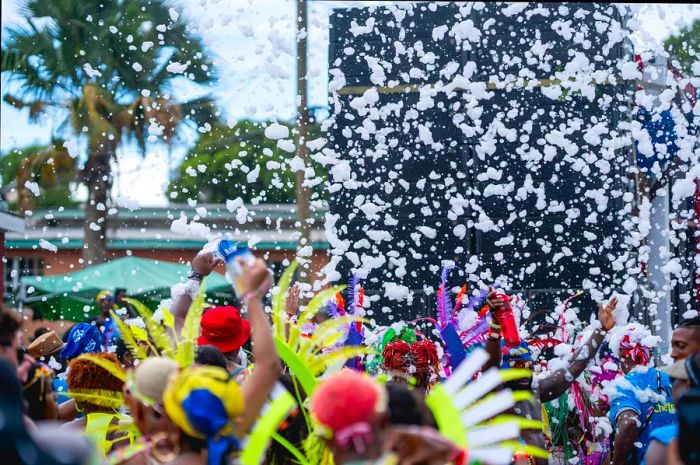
x=253, y=44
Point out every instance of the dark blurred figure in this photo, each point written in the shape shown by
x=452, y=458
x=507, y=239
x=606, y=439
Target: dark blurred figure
x=40, y=331
x=210, y=355
x=9, y=336
x=17, y=446
x=293, y=428
x=407, y=406
x=126, y=358
x=39, y=394
x=119, y=295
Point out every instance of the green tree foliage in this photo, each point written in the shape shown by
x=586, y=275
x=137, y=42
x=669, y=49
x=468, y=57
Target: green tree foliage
x=109, y=67
x=218, y=168
x=50, y=168
x=9, y=163
x=685, y=46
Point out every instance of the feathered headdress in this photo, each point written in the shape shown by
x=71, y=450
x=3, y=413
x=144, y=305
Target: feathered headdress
x=444, y=305
x=446, y=319
x=308, y=357
x=336, y=306
x=466, y=414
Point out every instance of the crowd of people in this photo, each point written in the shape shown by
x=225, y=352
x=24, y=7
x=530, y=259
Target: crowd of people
x=312, y=381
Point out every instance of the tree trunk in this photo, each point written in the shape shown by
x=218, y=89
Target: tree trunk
x=302, y=193
x=98, y=180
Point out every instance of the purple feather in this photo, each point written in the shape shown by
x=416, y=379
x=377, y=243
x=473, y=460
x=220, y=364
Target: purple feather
x=477, y=331
x=478, y=339
x=352, y=294
x=332, y=308
x=444, y=303
x=476, y=301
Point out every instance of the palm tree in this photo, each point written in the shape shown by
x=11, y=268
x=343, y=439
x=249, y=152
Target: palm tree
x=106, y=69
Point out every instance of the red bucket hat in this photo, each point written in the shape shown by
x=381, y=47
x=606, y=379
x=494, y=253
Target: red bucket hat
x=223, y=328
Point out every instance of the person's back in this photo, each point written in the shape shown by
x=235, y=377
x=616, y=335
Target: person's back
x=38, y=394
x=644, y=393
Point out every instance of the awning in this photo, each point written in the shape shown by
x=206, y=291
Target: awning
x=11, y=223
x=71, y=296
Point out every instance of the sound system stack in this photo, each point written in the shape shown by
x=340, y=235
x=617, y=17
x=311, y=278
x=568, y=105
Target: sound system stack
x=516, y=171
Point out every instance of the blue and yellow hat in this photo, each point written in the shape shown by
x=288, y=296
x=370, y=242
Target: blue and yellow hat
x=204, y=402
x=520, y=352
x=105, y=294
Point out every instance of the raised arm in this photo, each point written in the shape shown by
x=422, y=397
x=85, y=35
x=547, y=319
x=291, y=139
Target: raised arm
x=291, y=308
x=254, y=283
x=493, y=341
x=557, y=382
x=202, y=266
x=627, y=423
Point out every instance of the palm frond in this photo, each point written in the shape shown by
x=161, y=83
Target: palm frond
x=310, y=311
x=191, y=329
x=318, y=301
x=325, y=329
x=139, y=333
x=297, y=366
x=199, y=111
x=156, y=332
x=169, y=322
x=127, y=336
x=271, y=415
x=280, y=298
x=324, y=361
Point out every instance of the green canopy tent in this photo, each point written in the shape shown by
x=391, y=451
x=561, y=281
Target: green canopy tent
x=71, y=296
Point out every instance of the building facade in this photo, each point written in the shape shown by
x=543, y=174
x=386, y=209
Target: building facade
x=9, y=223
x=52, y=241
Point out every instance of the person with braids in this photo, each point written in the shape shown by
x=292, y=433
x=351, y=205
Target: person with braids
x=407, y=405
x=39, y=395
x=404, y=357
x=293, y=429
x=98, y=395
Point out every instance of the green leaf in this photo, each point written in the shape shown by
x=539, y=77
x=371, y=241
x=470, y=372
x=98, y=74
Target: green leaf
x=156, y=332
x=168, y=318
x=126, y=335
x=280, y=298
x=318, y=301
x=313, y=306
x=291, y=448
x=334, y=325
x=447, y=415
x=140, y=334
x=324, y=361
x=296, y=366
x=265, y=428
x=191, y=329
